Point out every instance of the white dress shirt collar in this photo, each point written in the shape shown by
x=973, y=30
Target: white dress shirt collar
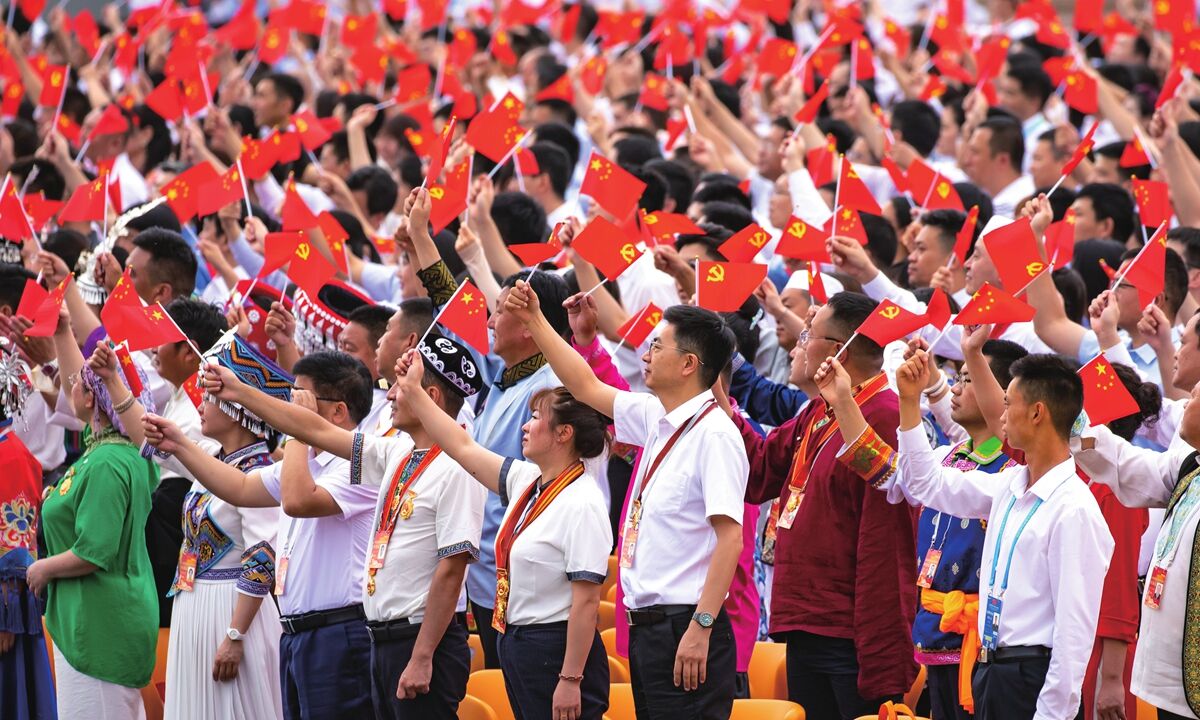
x=684, y=412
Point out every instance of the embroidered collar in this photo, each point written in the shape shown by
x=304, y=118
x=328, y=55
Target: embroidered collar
x=986, y=452
x=107, y=436
x=252, y=455
x=516, y=373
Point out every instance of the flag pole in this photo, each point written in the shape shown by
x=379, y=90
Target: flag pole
x=438, y=317
x=508, y=156
x=597, y=287
x=1121, y=275
x=846, y=345
x=62, y=98
x=245, y=189
x=642, y=315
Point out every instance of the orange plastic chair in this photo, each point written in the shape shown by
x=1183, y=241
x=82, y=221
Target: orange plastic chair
x=488, y=686
x=607, y=616
x=611, y=594
x=768, y=671
x=152, y=702
x=620, y=702
x=766, y=710
x=617, y=673
x=610, y=580
x=892, y=711
x=472, y=708
x=609, y=638
x=914, y=694
x=476, y=647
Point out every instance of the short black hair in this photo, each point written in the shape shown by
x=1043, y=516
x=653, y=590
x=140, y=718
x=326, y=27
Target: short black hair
x=728, y=215
x=356, y=239
x=744, y=322
x=1006, y=139
x=1073, y=289
x=918, y=124
x=202, y=323
x=338, y=376
x=417, y=313
x=555, y=163
x=1050, y=136
x=1026, y=69
x=1114, y=151
x=948, y=223
x=704, y=333
x=1048, y=379
x=848, y=311
x=1111, y=202
x=680, y=183
x=67, y=244
x=551, y=291
x=159, y=216
x=12, y=285
x=171, y=260
x=1087, y=258
x=374, y=318
x=560, y=135
x=289, y=87
x=971, y=194
x=720, y=191
x=636, y=150
x=1190, y=237
x=519, y=218
x=339, y=142
x=881, y=239
x=655, y=195
x=1001, y=354
x=714, y=236
x=378, y=184
x=562, y=110
x=48, y=181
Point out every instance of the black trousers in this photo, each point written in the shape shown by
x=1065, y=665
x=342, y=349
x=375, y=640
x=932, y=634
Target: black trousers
x=447, y=684
x=652, y=651
x=487, y=635
x=323, y=672
x=942, y=682
x=1008, y=690
x=531, y=657
x=822, y=675
x=1168, y=715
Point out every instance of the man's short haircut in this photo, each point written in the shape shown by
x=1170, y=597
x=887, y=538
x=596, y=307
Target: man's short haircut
x=1073, y=289
x=704, y=333
x=1027, y=70
x=289, y=87
x=519, y=218
x=160, y=216
x=341, y=377
x=378, y=185
x=374, y=318
x=918, y=124
x=720, y=190
x=1048, y=379
x=881, y=239
x=202, y=323
x=171, y=260
x=713, y=238
x=1111, y=202
x=1001, y=354
x=680, y=183
x=1006, y=139
x=551, y=291
x=728, y=215
x=555, y=163
x=1175, y=280
x=562, y=110
x=848, y=310
x=1190, y=238
x=560, y=135
x=948, y=223
x=636, y=150
x=67, y=244
x=417, y=314
x=1056, y=152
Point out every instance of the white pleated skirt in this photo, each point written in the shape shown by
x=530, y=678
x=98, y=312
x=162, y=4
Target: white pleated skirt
x=199, y=622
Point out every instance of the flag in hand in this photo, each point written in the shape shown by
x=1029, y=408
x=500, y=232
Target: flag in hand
x=13, y=224
x=129, y=369
x=937, y=312
x=448, y=199
x=54, y=82
x=313, y=133
x=1081, y=151
x=1146, y=272
x=664, y=224
x=992, y=306
x=1105, y=397
x=890, y=322
x=846, y=223
x=724, y=286
x=614, y=188
x=816, y=284
x=183, y=194
x=111, y=121
x=934, y=189
x=440, y=151
x=1134, y=155
x=1013, y=250
x=812, y=106
x=638, y=327
x=295, y=214
x=1060, y=240
x=962, y=241
x=308, y=268
x=1153, y=201
x=606, y=246
x=852, y=192
x=495, y=131
x=86, y=203
x=745, y=245
x=42, y=307
x=801, y=241
x=466, y=316
x=533, y=254
x=219, y=192
x=140, y=326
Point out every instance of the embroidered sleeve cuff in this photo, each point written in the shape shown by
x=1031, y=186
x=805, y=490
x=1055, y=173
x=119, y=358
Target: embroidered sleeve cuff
x=356, y=459
x=870, y=458
x=503, y=482
x=438, y=282
x=258, y=570
x=459, y=549
x=584, y=576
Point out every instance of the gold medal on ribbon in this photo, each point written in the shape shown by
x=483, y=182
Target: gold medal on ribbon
x=498, y=616
x=371, y=584
x=406, y=505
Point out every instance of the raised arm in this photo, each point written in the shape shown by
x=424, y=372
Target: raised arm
x=1050, y=322
x=988, y=392
x=1139, y=477
x=572, y=369
x=225, y=481
x=483, y=464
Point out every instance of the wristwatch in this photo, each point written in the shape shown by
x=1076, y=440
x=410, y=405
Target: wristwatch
x=234, y=634
x=704, y=620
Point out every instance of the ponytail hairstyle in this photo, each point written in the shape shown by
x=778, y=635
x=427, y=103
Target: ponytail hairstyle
x=561, y=408
x=1148, y=397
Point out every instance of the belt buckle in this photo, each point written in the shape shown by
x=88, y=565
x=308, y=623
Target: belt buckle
x=629, y=617
x=983, y=655
x=286, y=622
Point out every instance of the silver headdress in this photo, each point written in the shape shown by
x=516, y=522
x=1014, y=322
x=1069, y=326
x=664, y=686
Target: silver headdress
x=93, y=293
x=16, y=381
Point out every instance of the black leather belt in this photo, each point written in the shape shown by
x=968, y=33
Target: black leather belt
x=657, y=613
x=1016, y=653
x=293, y=624
x=401, y=629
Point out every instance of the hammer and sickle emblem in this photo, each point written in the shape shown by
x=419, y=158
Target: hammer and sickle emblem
x=759, y=239
x=654, y=318
x=716, y=274
x=301, y=125
x=1034, y=268
x=890, y=312
x=437, y=193
x=943, y=190
x=797, y=230
x=650, y=219
x=628, y=252
x=303, y=250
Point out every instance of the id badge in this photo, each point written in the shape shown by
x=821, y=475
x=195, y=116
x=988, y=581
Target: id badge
x=991, y=624
x=281, y=568
x=379, y=548
x=629, y=534
x=787, y=515
x=187, y=572
x=929, y=568
x=1155, y=586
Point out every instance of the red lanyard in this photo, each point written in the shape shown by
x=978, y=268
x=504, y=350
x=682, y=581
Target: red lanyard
x=675, y=436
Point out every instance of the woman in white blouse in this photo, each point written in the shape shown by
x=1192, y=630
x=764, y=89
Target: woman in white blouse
x=551, y=550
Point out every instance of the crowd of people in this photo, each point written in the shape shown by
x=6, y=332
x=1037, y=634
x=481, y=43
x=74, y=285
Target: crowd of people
x=332, y=335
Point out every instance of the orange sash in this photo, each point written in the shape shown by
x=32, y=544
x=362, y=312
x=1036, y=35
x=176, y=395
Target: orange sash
x=960, y=615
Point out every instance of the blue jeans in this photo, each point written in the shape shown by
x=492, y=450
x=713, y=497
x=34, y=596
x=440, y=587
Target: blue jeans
x=326, y=672
x=531, y=658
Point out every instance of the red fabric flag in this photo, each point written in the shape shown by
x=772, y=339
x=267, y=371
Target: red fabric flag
x=816, y=284
x=745, y=244
x=449, y=197
x=1089, y=16
x=1146, y=271
x=395, y=9
x=639, y=326
x=45, y=315
x=312, y=133
x=864, y=60
x=111, y=121
x=183, y=193
x=33, y=300
x=899, y=35
x=1082, y=93
x=129, y=370
x=13, y=225
x=899, y=179
x=86, y=203
x=440, y=151
x=665, y=224
x=1013, y=250
x=1060, y=240
x=533, y=254
x=11, y=104
x=846, y=223
x=86, y=31
x=569, y=23
x=258, y=157
x=819, y=162
x=934, y=87
x=286, y=146
x=40, y=210
x=937, y=312
x=654, y=93
x=724, y=286
x=801, y=241
x=1170, y=85
x=991, y=56
x=53, y=82
x=812, y=106
x=852, y=192
x=1051, y=32
x=615, y=189
x=494, y=132
x=606, y=246
x=1105, y=397
x=1081, y=151
x=69, y=129
x=526, y=163
x=461, y=47
x=308, y=268
x=560, y=89
x=295, y=214
x=950, y=69
x=890, y=322
x=593, y=73
x=141, y=326
x=1134, y=154
x=962, y=241
x=1153, y=201
x=992, y=306
x=931, y=188
x=776, y=58
x=279, y=248
x=216, y=194
x=166, y=100
x=466, y=316
x=359, y=30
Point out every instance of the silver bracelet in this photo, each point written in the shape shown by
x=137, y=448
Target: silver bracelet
x=125, y=404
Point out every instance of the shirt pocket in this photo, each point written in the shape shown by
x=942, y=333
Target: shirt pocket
x=669, y=493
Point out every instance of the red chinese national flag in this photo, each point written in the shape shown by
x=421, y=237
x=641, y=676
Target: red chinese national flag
x=359, y=30
x=1146, y=271
x=1089, y=16
x=533, y=254
x=801, y=241
x=937, y=313
x=812, y=106
x=129, y=370
x=724, y=286
x=86, y=203
x=41, y=307
x=560, y=89
x=654, y=93
x=745, y=244
x=846, y=223
x=1082, y=93
x=1170, y=85
x=166, y=100
x=183, y=192
x=615, y=189
x=13, y=224
x=1134, y=154
x=1105, y=397
x=606, y=246
x=53, y=82
x=258, y=157
x=495, y=131
x=852, y=192
x=466, y=316
x=992, y=306
x=1153, y=201
x=440, y=151
x=638, y=327
x=111, y=121
x=40, y=210
x=313, y=133
x=776, y=58
x=890, y=322
x=1081, y=151
x=449, y=197
x=222, y=191
x=295, y=214
x=1060, y=240
x=966, y=234
x=412, y=83
x=141, y=326
x=1013, y=250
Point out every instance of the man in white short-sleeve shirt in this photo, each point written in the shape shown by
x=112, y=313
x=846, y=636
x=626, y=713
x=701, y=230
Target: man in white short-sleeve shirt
x=682, y=533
